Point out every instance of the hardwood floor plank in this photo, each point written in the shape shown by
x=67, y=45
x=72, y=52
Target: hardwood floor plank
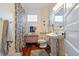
x=27, y=50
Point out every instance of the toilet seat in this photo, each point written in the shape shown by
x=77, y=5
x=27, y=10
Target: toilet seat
x=43, y=43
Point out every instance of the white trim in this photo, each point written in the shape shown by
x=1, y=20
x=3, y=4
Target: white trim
x=72, y=9
x=76, y=29
x=72, y=24
x=72, y=46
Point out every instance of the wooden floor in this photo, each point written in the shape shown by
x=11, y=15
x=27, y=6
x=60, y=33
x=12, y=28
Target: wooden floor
x=26, y=51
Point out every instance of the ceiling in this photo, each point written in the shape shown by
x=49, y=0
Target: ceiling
x=35, y=5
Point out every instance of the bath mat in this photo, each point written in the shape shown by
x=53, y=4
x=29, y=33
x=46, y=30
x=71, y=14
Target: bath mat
x=40, y=52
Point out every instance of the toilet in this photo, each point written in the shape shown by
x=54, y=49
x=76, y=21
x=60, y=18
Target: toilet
x=43, y=43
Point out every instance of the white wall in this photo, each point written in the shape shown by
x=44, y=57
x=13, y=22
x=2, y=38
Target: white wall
x=34, y=12
x=42, y=15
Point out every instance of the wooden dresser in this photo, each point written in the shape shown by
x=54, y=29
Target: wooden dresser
x=31, y=38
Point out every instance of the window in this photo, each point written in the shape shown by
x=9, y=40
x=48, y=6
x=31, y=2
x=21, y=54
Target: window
x=59, y=18
x=31, y=18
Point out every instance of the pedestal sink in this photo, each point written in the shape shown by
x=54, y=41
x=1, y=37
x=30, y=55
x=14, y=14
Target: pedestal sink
x=53, y=38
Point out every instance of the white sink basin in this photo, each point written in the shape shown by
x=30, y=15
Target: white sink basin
x=52, y=34
x=55, y=34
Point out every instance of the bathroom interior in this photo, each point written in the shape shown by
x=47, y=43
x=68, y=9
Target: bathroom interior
x=39, y=29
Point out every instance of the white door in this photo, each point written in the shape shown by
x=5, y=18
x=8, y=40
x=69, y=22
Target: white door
x=72, y=32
